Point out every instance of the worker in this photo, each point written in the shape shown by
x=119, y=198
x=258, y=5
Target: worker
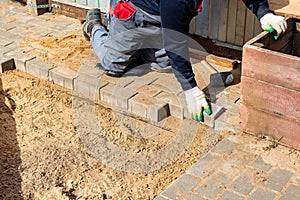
x=157, y=31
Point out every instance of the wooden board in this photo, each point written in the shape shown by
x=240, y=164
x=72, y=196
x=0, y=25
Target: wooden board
x=203, y=23
x=260, y=122
x=271, y=97
x=287, y=8
x=249, y=26
x=222, y=32
x=270, y=66
x=214, y=18
x=32, y=6
x=232, y=16
x=240, y=23
x=296, y=40
x=270, y=88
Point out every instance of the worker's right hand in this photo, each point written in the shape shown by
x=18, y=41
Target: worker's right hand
x=196, y=103
x=270, y=21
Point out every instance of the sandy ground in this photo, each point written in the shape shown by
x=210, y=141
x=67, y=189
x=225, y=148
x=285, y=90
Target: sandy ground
x=68, y=50
x=48, y=154
x=43, y=157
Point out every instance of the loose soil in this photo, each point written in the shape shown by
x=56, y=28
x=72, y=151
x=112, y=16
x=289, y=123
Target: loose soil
x=68, y=50
x=42, y=155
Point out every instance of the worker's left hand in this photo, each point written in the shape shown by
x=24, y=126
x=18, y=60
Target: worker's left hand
x=196, y=103
x=269, y=21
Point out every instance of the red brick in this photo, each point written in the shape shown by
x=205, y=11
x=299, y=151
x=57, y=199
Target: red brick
x=270, y=97
x=259, y=122
x=272, y=67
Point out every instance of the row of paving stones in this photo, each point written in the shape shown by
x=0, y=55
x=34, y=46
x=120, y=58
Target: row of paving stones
x=239, y=168
x=142, y=92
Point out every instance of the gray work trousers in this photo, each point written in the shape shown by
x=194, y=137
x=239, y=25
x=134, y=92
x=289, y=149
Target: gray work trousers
x=137, y=37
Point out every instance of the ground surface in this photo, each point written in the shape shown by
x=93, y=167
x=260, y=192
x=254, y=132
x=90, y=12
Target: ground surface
x=46, y=149
x=68, y=49
x=42, y=156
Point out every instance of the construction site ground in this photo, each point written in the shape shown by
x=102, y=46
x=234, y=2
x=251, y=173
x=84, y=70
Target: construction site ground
x=50, y=147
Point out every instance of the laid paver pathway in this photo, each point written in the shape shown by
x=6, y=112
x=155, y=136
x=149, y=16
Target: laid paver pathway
x=241, y=167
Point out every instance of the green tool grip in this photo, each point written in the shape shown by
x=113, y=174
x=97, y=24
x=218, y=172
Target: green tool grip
x=272, y=31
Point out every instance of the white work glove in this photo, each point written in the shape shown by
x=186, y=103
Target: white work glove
x=196, y=103
x=270, y=22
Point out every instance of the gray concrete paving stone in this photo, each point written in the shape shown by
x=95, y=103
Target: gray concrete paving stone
x=20, y=31
x=292, y=193
x=241, y=157
x=262, y=194
x=160, y=198
x=106, y=92
x=6, y=26
x=40, y=32
x=37, y=21
x=90, y=71
x=260, y=164
x=225, y=147
x=63, y=76
x=216, y=110
x=194, y=197
x=39, y=68
x=243, y=184
x=171, y=86
x=121, y=81
x=175, y=102
x=10, y=47
x=121, y=96
x=214, y=184
x=151, y=91
x=10, y=36
x=140, y=82
x=231, y=168
x=221, y=125
x=20, y=58
x=180, y=187
x=230, y=196
x=88, y=86
x=158, y=112
x=203, y=166
x=278, y=178
x=147, y=107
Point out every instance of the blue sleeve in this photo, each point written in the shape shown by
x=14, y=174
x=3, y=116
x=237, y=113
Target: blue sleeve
x=176, y=16
x=258, y=7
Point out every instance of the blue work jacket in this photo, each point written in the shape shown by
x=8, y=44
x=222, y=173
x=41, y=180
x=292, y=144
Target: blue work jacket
x=176, y=16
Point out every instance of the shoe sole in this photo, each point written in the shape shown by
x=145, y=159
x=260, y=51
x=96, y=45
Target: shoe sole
x=109, y=72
